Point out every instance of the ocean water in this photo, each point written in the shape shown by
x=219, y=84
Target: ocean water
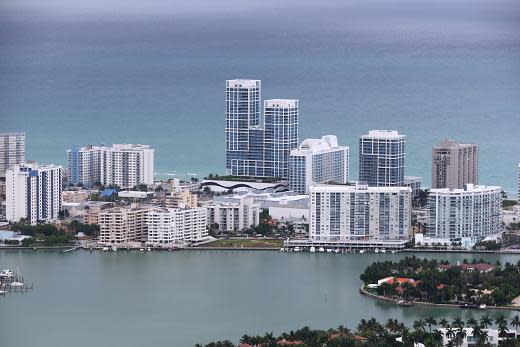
x=81, y=72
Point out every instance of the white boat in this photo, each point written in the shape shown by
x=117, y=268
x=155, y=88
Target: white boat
x=148, y=249
x=296, y=249
x=482, y=307
x=141, y=249
x=282, y=249
x=313, y=249
x=376, y=250
x=393, y=252
x=321, y=249
x=16, y=284
x=105, y=249
x=383, y=250
x=114, y=248
x=6, y=273
x=329, y=250
x=336, y=250
x=2, y=292
x=362, y=251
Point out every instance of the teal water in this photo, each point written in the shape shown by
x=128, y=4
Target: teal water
x=76, y=72
x=187, y=297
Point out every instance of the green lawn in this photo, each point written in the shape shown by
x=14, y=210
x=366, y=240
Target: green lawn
x=248, y=243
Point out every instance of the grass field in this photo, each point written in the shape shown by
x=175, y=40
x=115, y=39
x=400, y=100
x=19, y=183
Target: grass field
x=247, y=243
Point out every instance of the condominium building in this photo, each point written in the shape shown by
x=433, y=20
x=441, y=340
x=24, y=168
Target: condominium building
x=244, y=133
x=518, y=193
x=234, y=216
x=359, y=212
x=454, y=164
x=12, y=150
x=318, y=161
x=281, y=135
x=254, y=148
x=125, y=165
x=177, y=226
x=120, y=225
x=181, y=199
x=381, y=158
x=33, y=192
x=465, y=215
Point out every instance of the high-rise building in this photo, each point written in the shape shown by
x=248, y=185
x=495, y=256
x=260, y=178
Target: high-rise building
x=454, y=164
x=33, y=192
x=12, y=150
x=318, y=161
x=414, y=182
x=281, y=135
x=518, y=193
x=253, y=147
x=169, y=226
x=465, y=215
x=125, y=165
x=381, y=158
x=359, y=212
x=120, y=225
x=244, y=132
x=234, y=216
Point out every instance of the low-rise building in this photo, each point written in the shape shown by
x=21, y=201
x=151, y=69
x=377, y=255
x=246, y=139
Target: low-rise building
x=234, y=216
x=181, y=199
x=167, y=226
x=121, y=225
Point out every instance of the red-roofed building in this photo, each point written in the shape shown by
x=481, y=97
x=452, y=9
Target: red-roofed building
x=480, y=267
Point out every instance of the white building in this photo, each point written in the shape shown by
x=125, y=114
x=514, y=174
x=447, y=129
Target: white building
x=125, y=165
x=358, y=212
x=177, y=226
x=33, y=192
x=470, y=340
x=318, y=161
x=234, y=216
x=12, y=150
x=464, y=215
x=414, y=182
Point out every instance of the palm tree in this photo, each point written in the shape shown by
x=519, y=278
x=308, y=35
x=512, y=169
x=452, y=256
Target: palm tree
x=486, y=321
x=437, y=335
x=430, y=321
x=458, y=322
x=419, y=325
x=472, y=322
x=483, y=337
x=502, y=325
x=450, y=333
x=444, y=323
x=515, y=322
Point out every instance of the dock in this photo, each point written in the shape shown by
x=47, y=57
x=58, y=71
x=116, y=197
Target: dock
x=11, y=282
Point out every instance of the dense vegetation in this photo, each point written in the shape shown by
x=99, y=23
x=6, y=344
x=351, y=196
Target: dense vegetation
x=390, y=333
x=51, y=235
x=454, y=285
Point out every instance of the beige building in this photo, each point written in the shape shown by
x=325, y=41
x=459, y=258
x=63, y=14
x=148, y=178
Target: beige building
x=181, y=199
x=454, y=165
x=121, y=225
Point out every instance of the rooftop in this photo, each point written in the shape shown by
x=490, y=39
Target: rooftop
x=383, y=134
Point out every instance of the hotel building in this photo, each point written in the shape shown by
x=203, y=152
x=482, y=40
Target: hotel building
x=318, y=161
x=359, y=212
x=381, y=158
x=454, y=165
x=12, y=151
x=465, y=215
x=33, y=192
x=125, y=165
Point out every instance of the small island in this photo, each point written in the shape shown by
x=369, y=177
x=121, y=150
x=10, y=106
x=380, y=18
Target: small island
x=476, y=284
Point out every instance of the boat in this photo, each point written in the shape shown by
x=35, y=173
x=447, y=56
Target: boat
x=105, y=249
x=2, y=292
x=282, y=249
x=376, y=250
x=141, y=249
x=405, y=303
x=361, y=251
x=329, y=250
x=16, y=284
x=6, y=273
x=393, y=252
x=383, y=250
x=296, y=249
x=321, y=249
x=148, y=249
x=114, y=248
x=313, y=249
x=482, y=307
x=336, y=250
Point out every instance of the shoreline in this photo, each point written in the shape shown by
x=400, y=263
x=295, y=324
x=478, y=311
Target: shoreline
x=431, y=304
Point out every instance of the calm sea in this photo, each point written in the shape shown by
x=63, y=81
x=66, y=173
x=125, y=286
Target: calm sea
x=178, y=299
x=115, y=71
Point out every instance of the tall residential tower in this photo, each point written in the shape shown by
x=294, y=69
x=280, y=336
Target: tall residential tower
x=12, y=150
x=381, y=158
x=454, y=165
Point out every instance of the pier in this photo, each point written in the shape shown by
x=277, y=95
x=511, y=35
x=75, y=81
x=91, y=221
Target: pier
x=11, y=282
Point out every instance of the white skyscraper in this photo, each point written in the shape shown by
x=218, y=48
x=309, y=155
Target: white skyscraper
x=12, y=150
x=464, y=215
x=177, y=225
x=125, y=165
x=33, y=192
x=359, y=212
x=318, y=161
x=234, y=216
